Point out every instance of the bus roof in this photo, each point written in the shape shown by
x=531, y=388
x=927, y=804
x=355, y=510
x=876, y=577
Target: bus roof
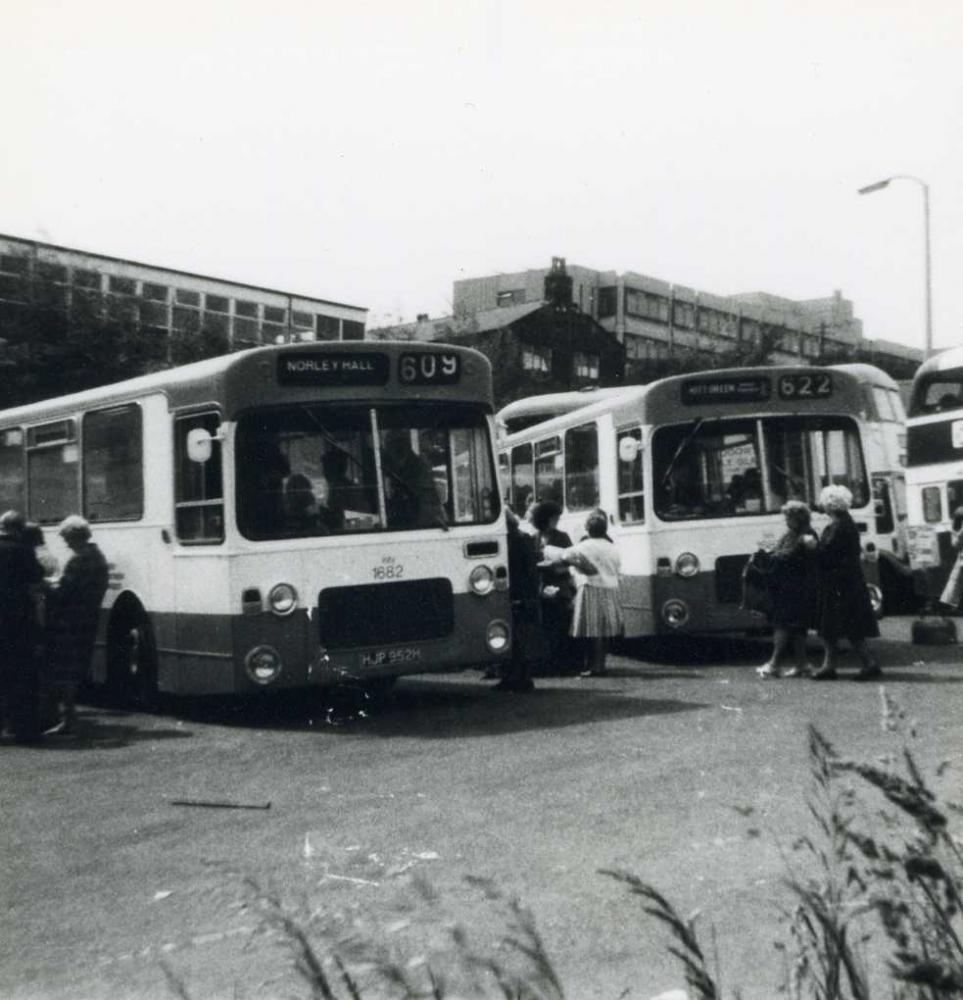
x=553, y=404
x=663, y=402
x=947, y=360
x=870, y=374
x=253, y=377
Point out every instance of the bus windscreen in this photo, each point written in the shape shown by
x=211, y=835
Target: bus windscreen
x=725, y=468
x=310, y=471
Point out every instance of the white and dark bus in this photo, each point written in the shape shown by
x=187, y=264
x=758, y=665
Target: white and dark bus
x=693, y=471
x=282, y=517
x=934, y=472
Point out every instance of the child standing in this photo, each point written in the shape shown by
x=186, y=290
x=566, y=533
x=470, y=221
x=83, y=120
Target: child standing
x=597, y=615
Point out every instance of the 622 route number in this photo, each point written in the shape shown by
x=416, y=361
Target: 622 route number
x=429, y=368
x=805, y=386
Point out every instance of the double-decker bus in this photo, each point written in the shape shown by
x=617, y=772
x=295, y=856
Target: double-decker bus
x=282, y=517
x=934, y=474
x=693, y=471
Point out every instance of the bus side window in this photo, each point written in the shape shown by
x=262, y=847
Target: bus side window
x=11, y=469
x=113, y=465
x=932, y=505
x=522, y=479
x=199, y=489
x=885, y=520
x=549, y=466
x=53, y=471
x=630, y=484
x=582, y=467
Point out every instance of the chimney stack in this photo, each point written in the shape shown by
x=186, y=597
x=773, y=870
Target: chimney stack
x=558, y=285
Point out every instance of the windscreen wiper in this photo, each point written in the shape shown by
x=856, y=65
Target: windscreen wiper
x=686, y=441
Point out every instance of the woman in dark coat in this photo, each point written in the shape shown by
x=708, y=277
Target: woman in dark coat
x=792, y=592
x=845, y=611
x=558, y=588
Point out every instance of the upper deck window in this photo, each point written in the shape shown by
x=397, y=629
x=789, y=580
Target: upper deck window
x=936, y=393
x=723, y=468
x=314, y=470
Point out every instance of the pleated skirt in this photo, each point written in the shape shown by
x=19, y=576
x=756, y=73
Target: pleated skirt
x=597, y=613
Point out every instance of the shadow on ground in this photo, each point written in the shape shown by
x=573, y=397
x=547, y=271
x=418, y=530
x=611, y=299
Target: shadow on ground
x=100, y=728
x=434, y=709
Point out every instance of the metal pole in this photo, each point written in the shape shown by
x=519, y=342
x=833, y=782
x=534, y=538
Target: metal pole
x=929, y=283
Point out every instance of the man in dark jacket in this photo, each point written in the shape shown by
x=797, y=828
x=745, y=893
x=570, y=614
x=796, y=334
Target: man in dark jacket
x=20, y=573
x=528, y=644
x=75, y=610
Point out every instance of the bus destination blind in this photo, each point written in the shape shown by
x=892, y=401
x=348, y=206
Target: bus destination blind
x=726, y=390
x=333, y=368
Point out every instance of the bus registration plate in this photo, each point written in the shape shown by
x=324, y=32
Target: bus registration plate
x=390, y=657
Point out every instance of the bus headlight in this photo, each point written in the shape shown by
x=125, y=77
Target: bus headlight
x=497, y=636
x=675, y=613
x=263, y=664
x=687, y=564
x=282, y=599
x=481, y=580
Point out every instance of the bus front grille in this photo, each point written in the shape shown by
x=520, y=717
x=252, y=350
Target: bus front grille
x=384, y=614
x=729, y=578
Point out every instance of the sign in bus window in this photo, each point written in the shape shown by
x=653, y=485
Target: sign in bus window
x=53, y=472
x=582, y=467
x=113, y=465
x=630, y=483
x=932, y=505
x=11, y=470
x=199, y=496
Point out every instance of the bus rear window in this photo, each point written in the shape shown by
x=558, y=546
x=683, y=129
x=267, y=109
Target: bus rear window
x=938, y=392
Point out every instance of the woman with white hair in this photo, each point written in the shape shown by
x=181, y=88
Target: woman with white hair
x=844, y=610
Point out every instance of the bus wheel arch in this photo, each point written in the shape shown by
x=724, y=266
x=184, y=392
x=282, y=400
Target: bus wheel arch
x=131, y=653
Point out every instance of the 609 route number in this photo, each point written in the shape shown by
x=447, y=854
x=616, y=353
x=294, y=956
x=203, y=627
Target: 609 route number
x=429, y=368
x=805, y=386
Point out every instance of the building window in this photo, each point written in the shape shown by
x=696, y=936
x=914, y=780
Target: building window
x=536, y=358
x=245, y=308
x=113, y=465
x=274, y=314
x=352, y=330
x=510, y=297
x=647, y=305
x=14, y=287
x=53, y=484
x=217, y=303
x=585, y=365
x=187, y=320
x=683, y=314
x=14, y=263
x=157, y=293
x=86, y=279
x=582, y=467
x=153, y=314
x=608, y=301
x=49, y=271
x=273, y=333
x=122, y=286
x=328, y=327
x=628, y=456
x=185, y=297
x=302, y=320
x=246, y=332
x=11, y=469
x=199, y=493
x=217, y=323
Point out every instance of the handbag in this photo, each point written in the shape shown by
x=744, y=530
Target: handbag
x=755, y=584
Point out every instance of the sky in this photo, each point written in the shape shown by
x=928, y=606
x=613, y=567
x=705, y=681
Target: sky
x=373, y=152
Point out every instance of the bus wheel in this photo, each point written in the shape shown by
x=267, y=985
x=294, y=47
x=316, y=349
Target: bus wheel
x=132, y=660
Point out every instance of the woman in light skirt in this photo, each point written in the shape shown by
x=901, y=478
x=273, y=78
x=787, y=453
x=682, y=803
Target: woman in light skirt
x=597, y=615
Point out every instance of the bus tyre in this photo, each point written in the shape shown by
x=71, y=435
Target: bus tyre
x=132, y=660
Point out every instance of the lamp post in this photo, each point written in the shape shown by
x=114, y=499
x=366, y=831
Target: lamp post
x=878, y=186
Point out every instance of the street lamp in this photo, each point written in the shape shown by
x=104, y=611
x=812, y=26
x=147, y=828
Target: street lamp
x=878, y=186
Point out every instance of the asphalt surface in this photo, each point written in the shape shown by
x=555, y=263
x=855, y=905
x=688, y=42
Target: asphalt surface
x=681, y=766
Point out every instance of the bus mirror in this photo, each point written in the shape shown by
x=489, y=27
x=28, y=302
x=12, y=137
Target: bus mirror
x=629, y=448
x=199, y=445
